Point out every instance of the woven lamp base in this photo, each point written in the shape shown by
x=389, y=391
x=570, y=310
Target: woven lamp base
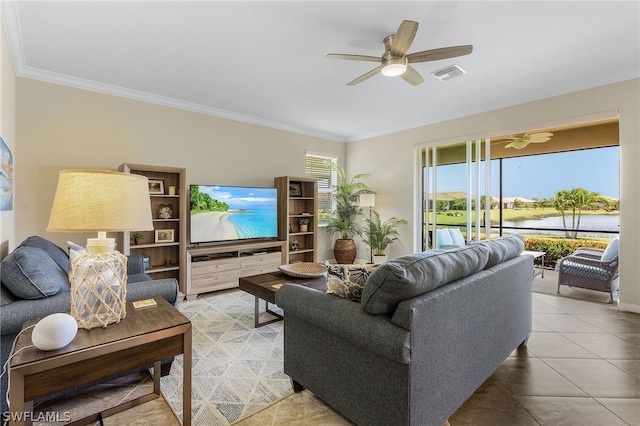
x=98, y=289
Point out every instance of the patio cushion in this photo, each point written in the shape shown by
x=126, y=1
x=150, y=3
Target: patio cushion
x=612, y=250
x=443, y=238
x=456, y=237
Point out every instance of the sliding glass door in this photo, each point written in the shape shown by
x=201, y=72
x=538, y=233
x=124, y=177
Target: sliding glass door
x=456, y=180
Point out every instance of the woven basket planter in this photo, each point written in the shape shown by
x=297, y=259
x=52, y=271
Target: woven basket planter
x=344, y=251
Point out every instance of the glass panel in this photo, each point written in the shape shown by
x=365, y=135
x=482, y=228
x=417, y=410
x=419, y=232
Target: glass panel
x=455, y=184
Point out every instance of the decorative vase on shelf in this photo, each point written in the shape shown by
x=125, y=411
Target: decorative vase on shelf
x=304, y=228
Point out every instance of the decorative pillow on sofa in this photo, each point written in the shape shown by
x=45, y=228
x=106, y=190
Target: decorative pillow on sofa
x=408, y=276
x=56, y=253
x=347, y=281
x=30, y=273
x=75, y=250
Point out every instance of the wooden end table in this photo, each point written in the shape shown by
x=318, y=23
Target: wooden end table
x=264, y=286
x=146, y=335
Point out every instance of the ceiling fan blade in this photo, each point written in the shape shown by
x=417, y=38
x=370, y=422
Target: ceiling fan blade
x=517, y=144
x=538, y=137
x=441, y=53
x=412, y=76
x=366, y=76
x=354, y=57
x=403, y=38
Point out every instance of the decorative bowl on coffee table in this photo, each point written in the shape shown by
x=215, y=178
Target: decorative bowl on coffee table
x=304, y=269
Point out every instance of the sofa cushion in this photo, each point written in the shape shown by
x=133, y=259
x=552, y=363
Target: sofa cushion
x=347, y=281
x=30, y=273
x=56, y=253
x=503, y=248
x=408, y=276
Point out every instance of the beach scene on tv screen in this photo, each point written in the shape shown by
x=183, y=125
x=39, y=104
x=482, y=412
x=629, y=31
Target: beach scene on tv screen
x=223, y=213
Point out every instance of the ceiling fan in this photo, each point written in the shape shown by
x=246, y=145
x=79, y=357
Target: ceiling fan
x=519, y=142
x=395, y=61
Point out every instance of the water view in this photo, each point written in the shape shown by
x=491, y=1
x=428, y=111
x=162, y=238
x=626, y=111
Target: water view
x=591, y=223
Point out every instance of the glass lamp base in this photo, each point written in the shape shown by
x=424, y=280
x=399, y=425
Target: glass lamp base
x=98, y=289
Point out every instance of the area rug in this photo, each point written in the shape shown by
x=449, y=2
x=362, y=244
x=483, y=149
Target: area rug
x=237, y=369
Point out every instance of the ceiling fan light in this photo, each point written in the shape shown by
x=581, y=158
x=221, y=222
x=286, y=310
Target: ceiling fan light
x=394, y=67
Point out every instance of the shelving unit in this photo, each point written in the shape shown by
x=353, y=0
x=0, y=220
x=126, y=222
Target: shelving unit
x=166, y=259
x=298, y=198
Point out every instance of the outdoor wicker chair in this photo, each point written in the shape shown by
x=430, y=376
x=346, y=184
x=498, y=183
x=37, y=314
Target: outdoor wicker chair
x=591, y=269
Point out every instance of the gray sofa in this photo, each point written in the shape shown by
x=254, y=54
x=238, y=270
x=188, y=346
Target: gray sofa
x=35, y=284
x=430, y=329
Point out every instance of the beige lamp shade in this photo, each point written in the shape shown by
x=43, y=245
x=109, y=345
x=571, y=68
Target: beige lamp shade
x=367, y=200
x=100, y=201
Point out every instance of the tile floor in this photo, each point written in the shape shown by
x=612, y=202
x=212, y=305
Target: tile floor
x=581, y=367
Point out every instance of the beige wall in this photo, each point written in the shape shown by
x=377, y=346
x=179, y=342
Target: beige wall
x=8, y=133
x=390, y=160
x=58, y=127
x=61, y=127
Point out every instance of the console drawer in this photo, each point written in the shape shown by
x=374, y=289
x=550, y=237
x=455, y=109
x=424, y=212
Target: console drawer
x=209, y=267
x=261, y=269
x=260, y=259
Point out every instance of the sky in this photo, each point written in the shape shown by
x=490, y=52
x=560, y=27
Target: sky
x=540, y=176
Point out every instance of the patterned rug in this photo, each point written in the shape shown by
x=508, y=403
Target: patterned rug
x=237, y=369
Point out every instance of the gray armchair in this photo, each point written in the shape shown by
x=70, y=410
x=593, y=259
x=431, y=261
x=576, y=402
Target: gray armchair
x=591, y=269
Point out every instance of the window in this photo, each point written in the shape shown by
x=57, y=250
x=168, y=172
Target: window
x=323, y=168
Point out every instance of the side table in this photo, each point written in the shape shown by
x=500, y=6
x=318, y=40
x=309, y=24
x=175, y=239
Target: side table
x=537, y=254
x=147, y=335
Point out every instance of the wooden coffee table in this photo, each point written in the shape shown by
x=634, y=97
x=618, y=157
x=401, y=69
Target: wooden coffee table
x=264, y=286
x=146, y=335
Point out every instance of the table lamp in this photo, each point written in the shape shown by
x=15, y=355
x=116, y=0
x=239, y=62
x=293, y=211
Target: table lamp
x=100, y=201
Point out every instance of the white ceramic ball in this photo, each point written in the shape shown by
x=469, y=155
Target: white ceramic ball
x=54, y=332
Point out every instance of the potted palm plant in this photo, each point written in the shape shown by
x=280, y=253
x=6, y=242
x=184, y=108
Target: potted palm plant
x=345, y=218
x=380, y=234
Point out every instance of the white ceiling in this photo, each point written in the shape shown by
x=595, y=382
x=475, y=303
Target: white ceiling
x=264, y=62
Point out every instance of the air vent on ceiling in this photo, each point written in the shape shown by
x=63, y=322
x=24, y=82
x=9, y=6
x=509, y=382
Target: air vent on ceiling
x=448, y=73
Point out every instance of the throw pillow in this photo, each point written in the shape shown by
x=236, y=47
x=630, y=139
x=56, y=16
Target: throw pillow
x=456, y=237
x=612, y=250
x=30, y=273
x=443, y=238
x=347, y=281
x=75, y=250
x=56, y=253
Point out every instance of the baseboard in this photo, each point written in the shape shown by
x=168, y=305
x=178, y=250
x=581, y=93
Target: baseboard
x=629, y=307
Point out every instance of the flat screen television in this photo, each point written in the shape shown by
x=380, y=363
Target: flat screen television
x=230, y=213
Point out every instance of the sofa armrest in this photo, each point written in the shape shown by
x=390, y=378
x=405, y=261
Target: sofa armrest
x=166, y=288
x=347, y=320
x=13, y=315
x=135, y=264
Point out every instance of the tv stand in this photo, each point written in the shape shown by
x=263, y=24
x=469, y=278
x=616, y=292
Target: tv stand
x=219, y=267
